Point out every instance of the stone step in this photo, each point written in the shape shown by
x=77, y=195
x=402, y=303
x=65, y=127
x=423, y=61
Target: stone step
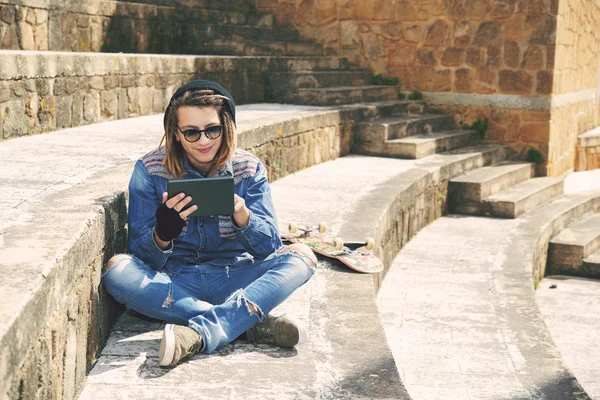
x=344, y=95
x=198, y=35
x=466, y=192
x=318, y=79
x=418, y=146
x=569, y=248
x=261, y=48
x=523, y=197
x=186, y=15
x=230, y=5
x=591, y=265
x=385, y=129
x=590, y=138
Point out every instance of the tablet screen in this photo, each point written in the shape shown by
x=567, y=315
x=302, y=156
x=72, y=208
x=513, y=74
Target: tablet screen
x=214, y=196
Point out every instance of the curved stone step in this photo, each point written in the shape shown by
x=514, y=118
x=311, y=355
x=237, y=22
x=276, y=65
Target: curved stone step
x=591, y=264
x=345, y=95
x=569, y=249
x=460, y=314
x=523, y=197
x=571, y=311
x=467, y=192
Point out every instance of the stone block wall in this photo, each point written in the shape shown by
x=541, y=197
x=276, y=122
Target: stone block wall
x=525, y=59
x=44, y=91
x=576, y=83
x=71, y=311
x=111, y=26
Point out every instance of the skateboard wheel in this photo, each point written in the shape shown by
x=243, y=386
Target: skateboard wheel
x=338, y=243
x=322, y=227
x=293, y=228
x=370, y=243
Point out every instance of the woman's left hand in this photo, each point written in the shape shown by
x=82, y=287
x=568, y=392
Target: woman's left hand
x=241, y=214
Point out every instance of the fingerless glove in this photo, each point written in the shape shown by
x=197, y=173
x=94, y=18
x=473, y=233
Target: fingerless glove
x=168, y=223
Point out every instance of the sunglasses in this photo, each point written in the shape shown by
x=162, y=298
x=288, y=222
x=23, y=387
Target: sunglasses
x=193, y=135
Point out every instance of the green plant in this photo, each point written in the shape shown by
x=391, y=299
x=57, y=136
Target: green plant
x=479, y=125
x=401, y=96
x=383, y=81
x=415, y=95
x=535, y=156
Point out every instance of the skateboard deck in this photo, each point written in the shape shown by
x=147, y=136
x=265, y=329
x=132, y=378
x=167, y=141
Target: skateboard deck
x=360, y=260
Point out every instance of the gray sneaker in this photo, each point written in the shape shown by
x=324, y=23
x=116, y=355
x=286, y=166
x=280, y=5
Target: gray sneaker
x=178, y=342
x=277, y=331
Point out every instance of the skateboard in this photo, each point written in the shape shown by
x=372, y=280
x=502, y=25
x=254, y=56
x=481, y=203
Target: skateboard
x=361, y=259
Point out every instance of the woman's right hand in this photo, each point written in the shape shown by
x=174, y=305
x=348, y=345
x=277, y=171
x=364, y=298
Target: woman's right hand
x=170, y=220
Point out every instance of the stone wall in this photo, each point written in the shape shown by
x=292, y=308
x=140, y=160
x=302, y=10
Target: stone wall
x=576, y=80
x=113, y=26
x=45, y=91
x=473, y=56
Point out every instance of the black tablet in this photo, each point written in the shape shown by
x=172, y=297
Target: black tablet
x=214, y=196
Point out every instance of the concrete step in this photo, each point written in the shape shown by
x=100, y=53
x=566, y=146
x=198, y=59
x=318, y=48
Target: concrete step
x=261, y=48
x=382, y=130
x=344, y=95
x=591, y=265
x=466, y=192
x=230, y=5
x=569, y=248
x=523, y=197
x=418, y=146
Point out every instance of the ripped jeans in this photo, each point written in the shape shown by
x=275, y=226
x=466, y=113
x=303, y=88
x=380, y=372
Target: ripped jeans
x=211, y=300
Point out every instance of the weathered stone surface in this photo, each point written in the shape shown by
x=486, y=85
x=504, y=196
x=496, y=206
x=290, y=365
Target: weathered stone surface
x=538, y=133
x=494, y=56
x=501, y=9
x=486, y=34
x=518, y=82
x=436, y=34
x=453, y=56
x=25, y=32
x=464, y=79
x=16, y=122
x=109, y=103
x=544, y=82
x=407, y=11
x=545, y=31
x=456, y=8
x=533, y=58
x=384, y=9
x=512, y=54
x=7, y=13
x=425, y=56
x=412, y=33
x=475, y=56
x=64, y=106
x=463, y=33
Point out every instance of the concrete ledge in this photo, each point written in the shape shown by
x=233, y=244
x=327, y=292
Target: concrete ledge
x=58, y=227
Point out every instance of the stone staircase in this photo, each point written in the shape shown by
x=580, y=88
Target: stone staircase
x=506, y=190
x=414, y=136
x=576, y=250
x=235, y=28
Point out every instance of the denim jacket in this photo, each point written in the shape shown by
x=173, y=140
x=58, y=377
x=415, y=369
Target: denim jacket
x=204, y=240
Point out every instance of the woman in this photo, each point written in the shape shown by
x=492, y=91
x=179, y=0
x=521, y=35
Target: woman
x=210, y=278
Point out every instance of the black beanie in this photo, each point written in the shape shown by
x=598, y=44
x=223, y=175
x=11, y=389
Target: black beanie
x=201, y=84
